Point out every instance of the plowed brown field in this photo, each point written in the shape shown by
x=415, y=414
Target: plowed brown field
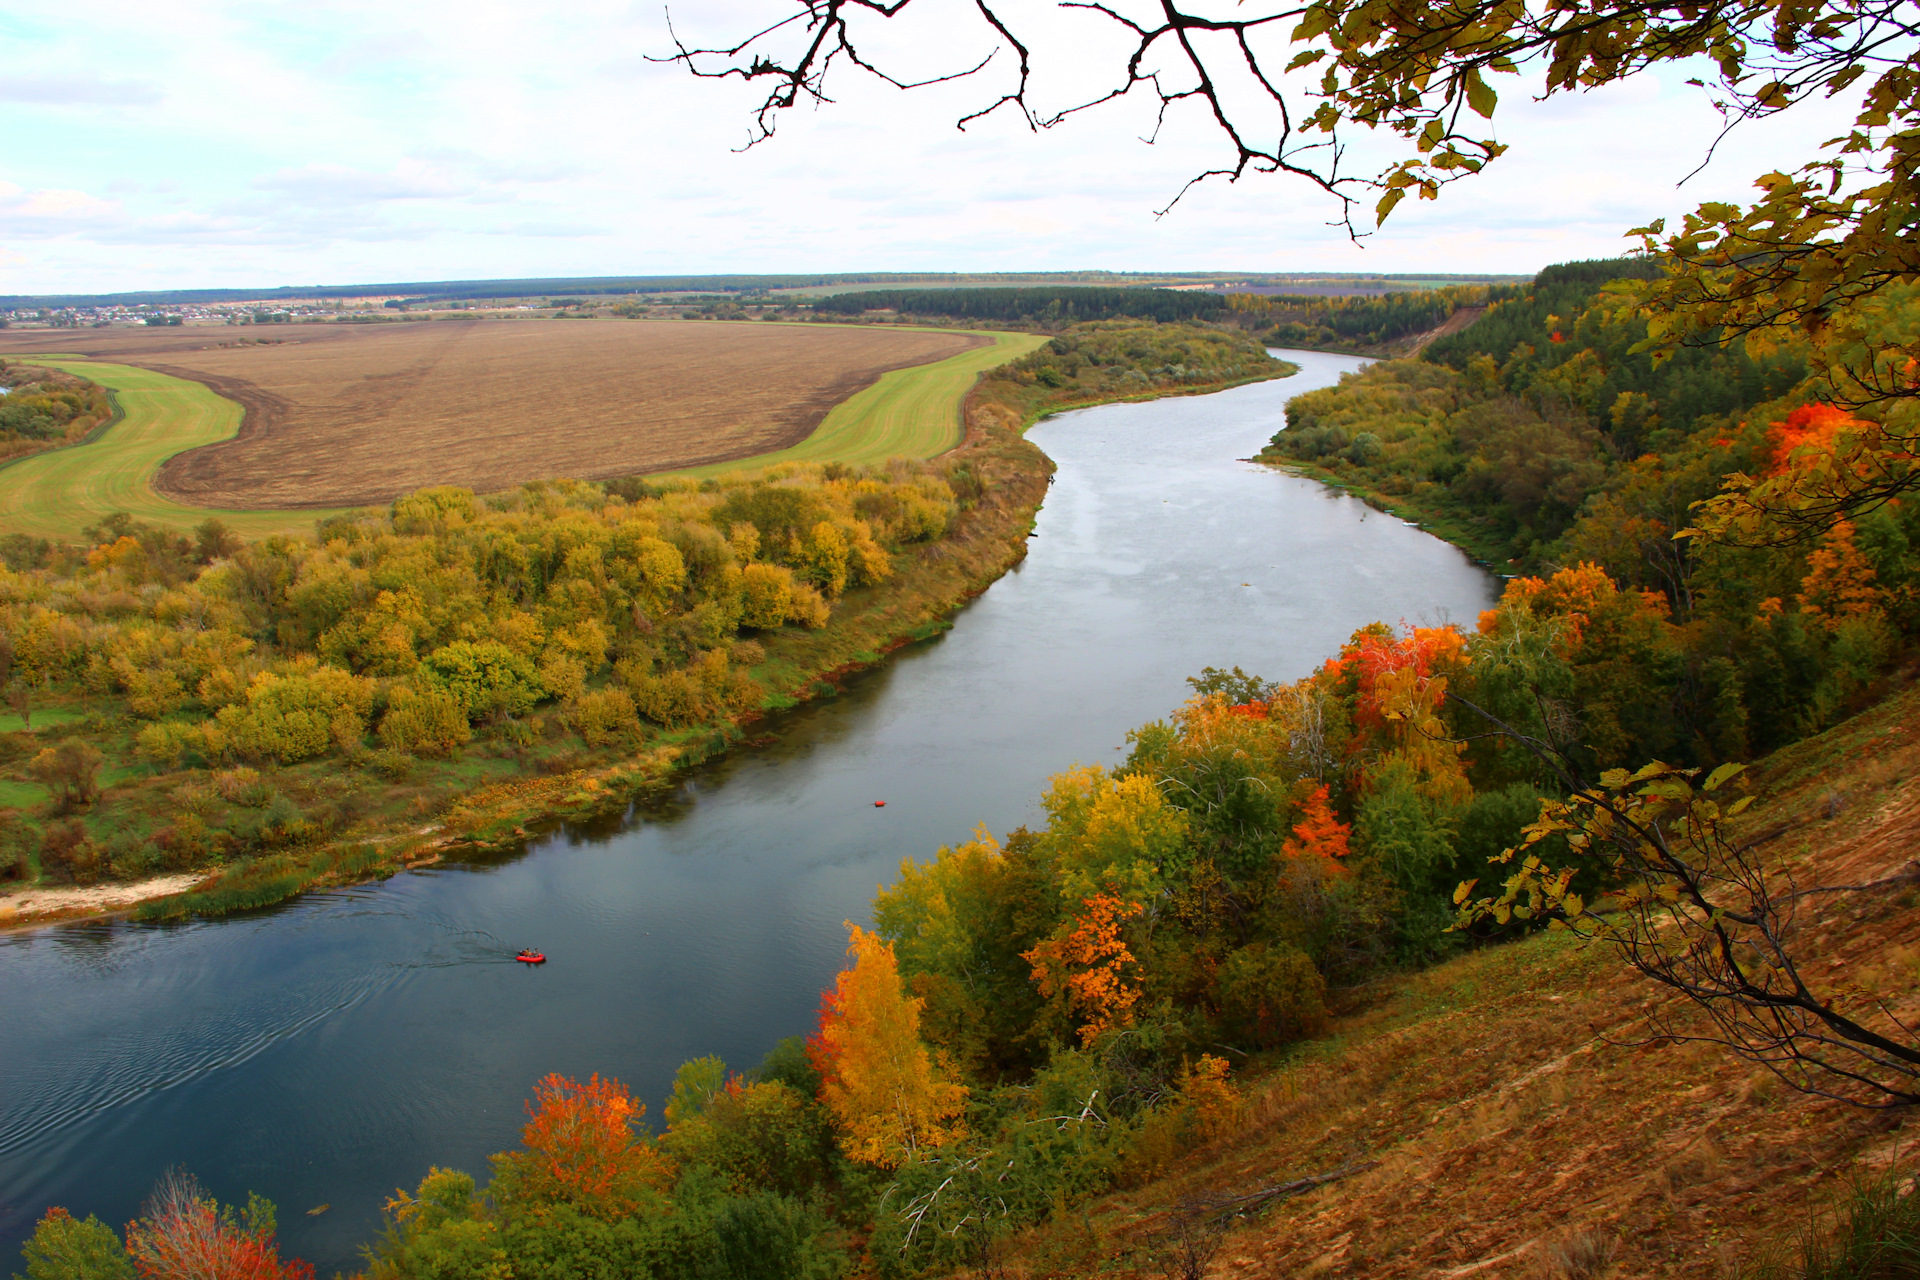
x=342, y=415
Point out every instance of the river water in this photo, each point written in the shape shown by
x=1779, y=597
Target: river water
x=330, y=1050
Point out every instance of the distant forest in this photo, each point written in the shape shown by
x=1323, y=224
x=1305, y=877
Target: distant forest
x=1066, y=305
x=606, y=286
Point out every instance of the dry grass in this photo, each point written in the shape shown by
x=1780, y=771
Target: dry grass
x=343, y=415
x=1522, y=1125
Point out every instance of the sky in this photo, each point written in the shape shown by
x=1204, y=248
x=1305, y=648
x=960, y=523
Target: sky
x=213, y=143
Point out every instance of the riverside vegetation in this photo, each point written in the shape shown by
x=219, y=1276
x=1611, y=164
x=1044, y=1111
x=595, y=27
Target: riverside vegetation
x=1064, y=1018
x=45, y=409
x=475, y=663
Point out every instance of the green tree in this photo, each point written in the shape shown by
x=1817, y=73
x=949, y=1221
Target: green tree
x=66, y=1248
x=486, y=677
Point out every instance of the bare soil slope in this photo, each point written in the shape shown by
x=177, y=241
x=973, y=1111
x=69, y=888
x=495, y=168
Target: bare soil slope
x=1506, y=1115
x=342, y=415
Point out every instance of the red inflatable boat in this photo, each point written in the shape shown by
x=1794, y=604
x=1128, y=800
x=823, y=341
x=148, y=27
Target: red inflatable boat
x=531, y=957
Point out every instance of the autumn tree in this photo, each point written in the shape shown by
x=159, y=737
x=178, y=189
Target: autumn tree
x=66, y=1248
x=186, y=1235
x=890, y=1100
x=579, y=1147
x=1088, y=969
x=1319, y=833
x=68, y=770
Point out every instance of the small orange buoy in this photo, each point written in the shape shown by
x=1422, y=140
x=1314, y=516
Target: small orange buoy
x=879, y=804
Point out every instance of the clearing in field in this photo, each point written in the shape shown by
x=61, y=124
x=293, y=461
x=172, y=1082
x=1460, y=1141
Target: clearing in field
x=346, y=415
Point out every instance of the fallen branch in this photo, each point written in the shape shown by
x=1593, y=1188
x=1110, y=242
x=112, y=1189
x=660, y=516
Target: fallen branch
x=1223, y=1207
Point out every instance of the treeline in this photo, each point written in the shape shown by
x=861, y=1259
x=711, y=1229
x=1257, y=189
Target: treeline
x=1356, y=323
x=44, y=408
x=1112, y=358
x=1043, y=306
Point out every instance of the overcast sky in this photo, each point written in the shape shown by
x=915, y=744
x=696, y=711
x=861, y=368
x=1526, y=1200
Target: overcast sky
x=214, y=143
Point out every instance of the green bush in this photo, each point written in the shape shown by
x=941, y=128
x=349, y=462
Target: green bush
x=424, y=722
x=66, y=1248
x=486, y=678
x=604, y=717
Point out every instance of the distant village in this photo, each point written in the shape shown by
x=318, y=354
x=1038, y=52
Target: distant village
x=146, y=314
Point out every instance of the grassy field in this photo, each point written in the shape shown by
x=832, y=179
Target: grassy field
x=907, y=413
x=346, y=415
x=57, y=494
x=635, y=396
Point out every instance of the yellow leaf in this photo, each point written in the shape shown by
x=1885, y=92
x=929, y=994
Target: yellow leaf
x=1720, y=775
x=1480, y=95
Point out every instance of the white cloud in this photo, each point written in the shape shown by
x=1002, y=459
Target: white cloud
x=416, y=139
x=343, y=184
x=78, y=89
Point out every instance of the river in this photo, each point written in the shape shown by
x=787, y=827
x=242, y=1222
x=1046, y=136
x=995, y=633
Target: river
x=331, y=1049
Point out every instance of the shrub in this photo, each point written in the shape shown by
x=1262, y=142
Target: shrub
x=244, y=787
x=767, y=594
x=765, y=1136
x=773, y=1237
x=562, y=675
x=168, y=742
x=299, y=716
x=68, y=770
x=604, y=717
x=485, y=677
x=1270, y=994
x=186, y=843
x=67, y=853
x=424, y=721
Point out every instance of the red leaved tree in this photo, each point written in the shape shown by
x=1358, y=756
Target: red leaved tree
x=1318, y=834
x=1090, y=966
x=185, y=1235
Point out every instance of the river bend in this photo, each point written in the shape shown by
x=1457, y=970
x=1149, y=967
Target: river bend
x=329, y=1050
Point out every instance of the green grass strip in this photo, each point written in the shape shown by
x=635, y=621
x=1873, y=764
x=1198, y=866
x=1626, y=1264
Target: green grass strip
x=908, y=413
x=58, y=493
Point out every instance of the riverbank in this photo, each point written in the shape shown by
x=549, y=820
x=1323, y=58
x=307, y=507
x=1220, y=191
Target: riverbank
x=1463, y=531
x=482, y=806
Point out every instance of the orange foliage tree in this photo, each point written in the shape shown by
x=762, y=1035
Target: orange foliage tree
x=581, y=1149
x=1400, y=687
x=1840, y=579
x=1090, y=966
x=1809, y=431
x=889, y=1099
x=1318, y=834
x=186, y=1236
